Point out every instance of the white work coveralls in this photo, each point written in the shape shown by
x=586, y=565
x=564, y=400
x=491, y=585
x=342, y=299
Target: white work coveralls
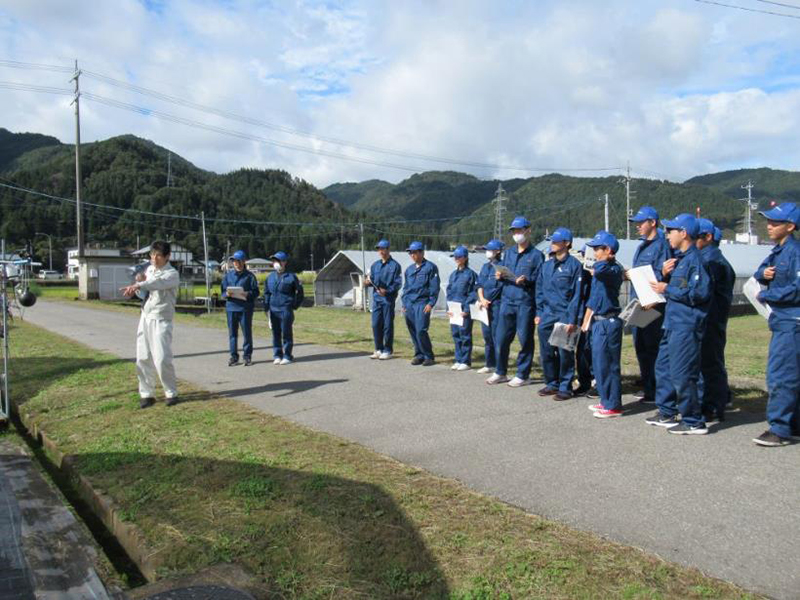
x=154, y=336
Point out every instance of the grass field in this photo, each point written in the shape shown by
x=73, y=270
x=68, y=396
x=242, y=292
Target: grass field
x=312, y=515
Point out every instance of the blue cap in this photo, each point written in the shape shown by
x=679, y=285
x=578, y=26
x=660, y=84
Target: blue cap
x=493, y=245
x=460, y=252
x=562, y=234
x=717, y=234
x=281, y=256
x=382, y=244
x=683, y=221
x=603, y=238
x=239, y=255
x=646, y=213
x=788, y=211
x=519, y=223
x=705, y=226
x=415, y=247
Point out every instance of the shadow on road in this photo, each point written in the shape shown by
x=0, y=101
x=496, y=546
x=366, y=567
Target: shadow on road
x=290, y=387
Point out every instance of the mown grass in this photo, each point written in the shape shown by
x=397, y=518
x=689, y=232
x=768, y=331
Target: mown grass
x=313, y=516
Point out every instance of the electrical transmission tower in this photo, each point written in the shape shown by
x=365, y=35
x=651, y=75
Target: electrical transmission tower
x=169, y=169
x=500, y=200
x=748, y=213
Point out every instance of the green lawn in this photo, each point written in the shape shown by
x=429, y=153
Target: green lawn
x=312, y=515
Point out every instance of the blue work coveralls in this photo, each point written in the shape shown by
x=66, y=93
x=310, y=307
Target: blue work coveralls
x=283, y=294
x=388, y=276
x=646, y=340
x=518, y=309
x=462, y=287
x=678, y=365
x=558, y=300
x=606, y=331
x=492, y=289
x=714, y=391
x=240, y=312
x=420, y=289
x=583, y=353
x=783, y=365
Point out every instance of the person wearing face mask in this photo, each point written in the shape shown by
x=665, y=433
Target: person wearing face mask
x=283, y=294
x=489, y=289
x=386, y=278
x=518, y=306
x=461, y=288
x=154, y=336
x=239, y=310
x=558, y=300
x=420, y=293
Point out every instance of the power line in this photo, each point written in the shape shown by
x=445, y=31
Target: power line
x=795, y=6
x=755, y=10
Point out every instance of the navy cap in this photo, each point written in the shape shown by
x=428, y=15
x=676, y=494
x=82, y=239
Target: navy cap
x=646, y=213
x=519, y=222
x=603, y=238
x=493, y=245
x=382, y=244
x=683, y=221
x=281, y=256
x=239, y=255
x=705, y=226
x=460, y=252
x=415, y=247
x=788, y=211
x=717, y=234
x=562, y=234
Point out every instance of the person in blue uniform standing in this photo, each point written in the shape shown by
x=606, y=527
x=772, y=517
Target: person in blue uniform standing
x=283, y=294
x=489, y=290
x=461, y=288
x=780, y=273
x=518, y=304
x=558, y=300
x=420, y=293
x=583, y=353
x=386, y=278
x=653, y=250
x=714, y=390
x=238, y=309
x=602, y=318
x=687, y=288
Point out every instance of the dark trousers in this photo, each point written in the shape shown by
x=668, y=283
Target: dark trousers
x=515, y=319
x=243, y=318
x=558, y=364
x=462, y=337
x=646, y=341
x=489, y=333
x=583, y=356
x=383, y=326
x=783, y=381
x=282, y=335
x=418, y=323
x=713, y=385
x=677, y=372
x=606, y=356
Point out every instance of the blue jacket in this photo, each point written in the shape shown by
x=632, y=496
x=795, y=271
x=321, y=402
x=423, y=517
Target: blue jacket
x=387, y=275
x=606, y=281
x=722, y=279
x=688, y=293
x=421, y=284
x=462, y=287
x=528, y=264
x=558, y=290
x=783, y=291
x=283, y=292
x=652, y=252
x=488, y=282
x=245, y=280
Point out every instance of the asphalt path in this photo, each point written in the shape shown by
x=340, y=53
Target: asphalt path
x=716, y=502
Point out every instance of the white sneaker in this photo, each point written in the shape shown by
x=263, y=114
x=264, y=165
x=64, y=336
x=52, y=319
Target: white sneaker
x=494, y=379
x=286, y=361
x=517, y=382
x=455, y=366
x=277, y=361
x=483, y=370
x=375, y=355
x=463, y=367
x=385, y=355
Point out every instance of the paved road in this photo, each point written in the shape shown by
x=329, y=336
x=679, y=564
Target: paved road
x=716, y=502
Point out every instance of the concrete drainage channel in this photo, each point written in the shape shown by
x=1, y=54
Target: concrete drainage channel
x=41, y=537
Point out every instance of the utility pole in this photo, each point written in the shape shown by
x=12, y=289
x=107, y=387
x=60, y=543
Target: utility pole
x=312, y=261
x=227, y=252
x=363, y=271
x=205, y=266
x=628, y=196
x=605, y=210
x=77, y=103
x=748, y=229
x=499, y=201
x=169, y=169
x=49, y=246
x=5, y=404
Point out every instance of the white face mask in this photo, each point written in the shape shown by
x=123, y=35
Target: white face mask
x=490, y=254
x=519, y=238
x=277, y=266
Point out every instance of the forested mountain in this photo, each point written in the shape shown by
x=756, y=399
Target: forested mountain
x=768, y=184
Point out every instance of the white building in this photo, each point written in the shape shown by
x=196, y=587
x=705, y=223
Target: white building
x=72, y=258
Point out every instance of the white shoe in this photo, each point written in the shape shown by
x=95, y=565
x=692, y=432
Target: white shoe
x=375, y=355
x=483, y=370
x=463, y=367
x=494, y=379
x=277, y=361
x=286, y=361
x=517, y=382
x=455, y=366
x=385, y=355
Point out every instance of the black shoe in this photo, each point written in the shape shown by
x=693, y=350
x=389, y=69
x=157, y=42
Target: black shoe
x=581, y=391
x=172, y=401
x=416, y=361
x=428, y=362
x=146, y=402
x=771, y=440
x=661, y=421
x=686, y=429
x=562, y=396
x=248, y=362
x=233, y=362
x=546, y=391
x=593, y=393
x=647, y=401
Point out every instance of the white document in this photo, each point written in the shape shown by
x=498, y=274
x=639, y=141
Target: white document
x=634, y=315
x=588, y=258
x=562, y=339
x=454, y=308
x=505, y=272
x=641, y=278
x=478, y=313
x=237, y=292
x=751, y=290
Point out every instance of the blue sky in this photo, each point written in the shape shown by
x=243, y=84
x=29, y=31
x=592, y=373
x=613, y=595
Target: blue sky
x=676, y=87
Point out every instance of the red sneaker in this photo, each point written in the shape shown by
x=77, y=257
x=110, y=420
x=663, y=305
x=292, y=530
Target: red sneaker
x=607, y=414
x=596, y=407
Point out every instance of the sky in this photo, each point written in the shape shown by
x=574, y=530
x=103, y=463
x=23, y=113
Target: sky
x=349, y=91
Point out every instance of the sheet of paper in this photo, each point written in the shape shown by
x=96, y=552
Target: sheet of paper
x=641, y=277
x=236, y=292
x=454, y=308
x=505, y=272
x=562, y=339
x=750, y=289
x=588, y=258
x=635, y=315
x=477, y=312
